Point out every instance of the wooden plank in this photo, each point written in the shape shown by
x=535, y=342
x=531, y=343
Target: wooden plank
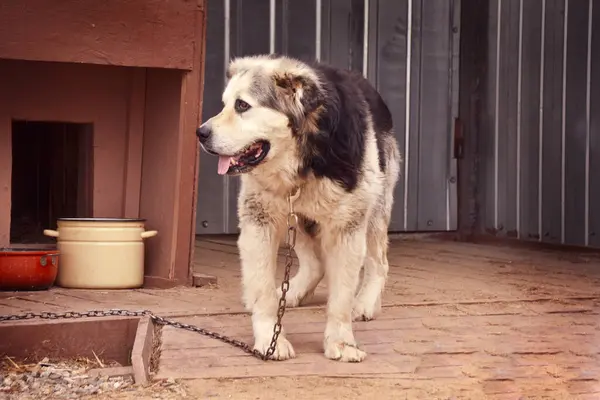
x=200, y=280
x=512, y=274
x=155, y=282
x=162, y=136
x=417, y=342
x=135, y=143
x=141, y=33
x=5, y=175
x=31, y=304
x=110, y=339
x=142, y=351
x=308, y=364
x=189, y=151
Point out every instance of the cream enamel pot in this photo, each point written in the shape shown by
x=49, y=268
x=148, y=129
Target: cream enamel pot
x=100, y=253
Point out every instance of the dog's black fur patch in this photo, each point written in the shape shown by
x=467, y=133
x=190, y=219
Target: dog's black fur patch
x=331, y=133
x=336, y=151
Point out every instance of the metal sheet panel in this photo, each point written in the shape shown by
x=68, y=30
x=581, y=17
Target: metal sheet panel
x=506, y=153
x=553, y=117
x=529, y=119
x=488, y=178
x=539, y=152
x=452, y=190
x=424, y=199
x=575, y=142
x=434, y=134
x=594, y=135
x=294, y=17
x=345, y=33
x=410, y=179
x=212, y=202
x=391, y=32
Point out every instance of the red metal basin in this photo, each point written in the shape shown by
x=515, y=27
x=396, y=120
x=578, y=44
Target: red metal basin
x=28, y=269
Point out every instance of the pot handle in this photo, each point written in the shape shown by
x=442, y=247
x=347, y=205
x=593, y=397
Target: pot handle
x=51, y=233
x=149, y=234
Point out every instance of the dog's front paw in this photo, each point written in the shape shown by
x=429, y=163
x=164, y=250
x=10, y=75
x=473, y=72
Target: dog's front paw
x=344, y=352
x=283, y=348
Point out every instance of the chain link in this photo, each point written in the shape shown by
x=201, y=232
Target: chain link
x=292, y=224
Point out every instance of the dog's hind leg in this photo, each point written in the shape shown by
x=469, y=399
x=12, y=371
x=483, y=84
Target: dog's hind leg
x=368, y=300
x=310, y=271
x=367, y=303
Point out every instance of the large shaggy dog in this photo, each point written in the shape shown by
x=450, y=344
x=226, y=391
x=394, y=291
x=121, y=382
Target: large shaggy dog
x=288, y=125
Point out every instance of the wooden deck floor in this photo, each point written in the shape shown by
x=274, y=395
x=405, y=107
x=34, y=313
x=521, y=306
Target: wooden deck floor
x=502, y=321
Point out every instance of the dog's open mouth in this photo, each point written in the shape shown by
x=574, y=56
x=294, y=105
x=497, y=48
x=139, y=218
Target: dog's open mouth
x=245, y=160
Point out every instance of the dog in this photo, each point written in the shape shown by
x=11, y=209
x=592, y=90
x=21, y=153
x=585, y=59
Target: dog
x=325, y=135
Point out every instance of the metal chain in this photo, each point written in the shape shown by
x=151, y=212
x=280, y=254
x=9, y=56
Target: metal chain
x=292, y=224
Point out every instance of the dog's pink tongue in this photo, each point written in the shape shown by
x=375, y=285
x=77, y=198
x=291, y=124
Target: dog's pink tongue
x=223, y=165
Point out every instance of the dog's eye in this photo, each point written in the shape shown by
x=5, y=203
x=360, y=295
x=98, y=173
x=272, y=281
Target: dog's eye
x=241, y=106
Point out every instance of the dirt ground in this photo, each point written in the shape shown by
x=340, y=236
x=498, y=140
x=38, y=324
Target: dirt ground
x=339, y=388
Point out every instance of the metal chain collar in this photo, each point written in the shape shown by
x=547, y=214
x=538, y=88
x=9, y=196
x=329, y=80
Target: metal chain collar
x=292, y=224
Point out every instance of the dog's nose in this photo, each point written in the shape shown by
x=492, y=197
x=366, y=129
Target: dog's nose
x=203, y=132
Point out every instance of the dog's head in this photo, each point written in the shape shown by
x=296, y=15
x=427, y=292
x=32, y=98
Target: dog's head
x=269, y=102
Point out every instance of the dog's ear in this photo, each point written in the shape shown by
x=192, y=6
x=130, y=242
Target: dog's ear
x=304, y=99
x=301, y=89
x=232, y=69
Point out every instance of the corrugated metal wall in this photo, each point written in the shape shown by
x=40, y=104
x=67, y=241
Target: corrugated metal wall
x=419, y=81
x=540, y=147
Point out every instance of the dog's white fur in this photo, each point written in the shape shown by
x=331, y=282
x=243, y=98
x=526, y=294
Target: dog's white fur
x=337, y=252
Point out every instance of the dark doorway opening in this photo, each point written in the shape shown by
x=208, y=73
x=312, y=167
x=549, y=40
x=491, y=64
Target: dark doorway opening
x=51, y=177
